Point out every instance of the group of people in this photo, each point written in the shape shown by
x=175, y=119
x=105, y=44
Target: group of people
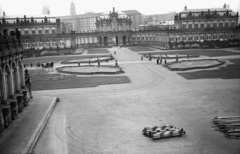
x=43, y=65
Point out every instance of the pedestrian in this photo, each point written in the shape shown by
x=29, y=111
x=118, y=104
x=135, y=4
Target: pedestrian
x=142, y=58
x=177, y=58
x=187, y=56
x=116, y=63
x=98, y=62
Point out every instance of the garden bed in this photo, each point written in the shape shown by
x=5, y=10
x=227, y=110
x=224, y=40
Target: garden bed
x=193, y=64
x=90, y=70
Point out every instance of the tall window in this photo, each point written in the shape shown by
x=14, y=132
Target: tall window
x=33, y=32
x=195, y=25
x=53, y=31
x=25, y=32
x=190, y=26
x=220, y=24
x=195, y=37
x=214, y=24
x=208, y=25
x=39, y=31
x=233, y=24
x=202, y=25
x=184, y=26
x=46, y=31
x=190, y=38
x=226, y=24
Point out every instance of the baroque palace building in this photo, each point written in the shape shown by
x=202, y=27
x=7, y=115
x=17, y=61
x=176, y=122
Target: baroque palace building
x=193, y=28
x=15, y=84
x=213, y=26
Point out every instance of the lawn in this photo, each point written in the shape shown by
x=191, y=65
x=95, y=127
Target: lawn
x=232, y=71
x=97, y=51
x=43, y=81
x=140, y=48
x=203, y=52
x=59, y=58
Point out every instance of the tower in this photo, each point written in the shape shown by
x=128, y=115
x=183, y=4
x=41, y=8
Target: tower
x=45, y=10
x=72, y=9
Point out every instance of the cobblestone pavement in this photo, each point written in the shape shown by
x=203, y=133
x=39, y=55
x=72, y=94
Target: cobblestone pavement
x=15, y=138
x=110, y=118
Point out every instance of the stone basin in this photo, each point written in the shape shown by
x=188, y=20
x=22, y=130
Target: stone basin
x=90, y=70
x=86, y=60
x=193, y=64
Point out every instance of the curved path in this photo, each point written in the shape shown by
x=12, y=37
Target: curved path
x=109, y=118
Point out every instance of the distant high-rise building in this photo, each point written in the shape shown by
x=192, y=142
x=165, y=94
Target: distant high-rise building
x=45, y=10
x=72, y=9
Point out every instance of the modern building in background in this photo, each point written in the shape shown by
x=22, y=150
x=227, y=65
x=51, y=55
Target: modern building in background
x=72, y=9
x=158, y=21
x=136, y=18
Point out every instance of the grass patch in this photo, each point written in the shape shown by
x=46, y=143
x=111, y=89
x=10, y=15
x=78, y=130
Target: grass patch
x=140, y=48
x=231, y=71
x=59, y=58
x=204, y=52
x=97, y=51
x=43, y=81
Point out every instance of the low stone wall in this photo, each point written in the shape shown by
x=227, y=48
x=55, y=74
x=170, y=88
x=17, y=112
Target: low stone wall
x=168, y=65
x=87, y=61
x=172, y=57
x=120, y=70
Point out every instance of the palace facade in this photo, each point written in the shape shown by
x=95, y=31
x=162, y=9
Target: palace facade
x=212, y=26
x=113, y=22
x=15, y=85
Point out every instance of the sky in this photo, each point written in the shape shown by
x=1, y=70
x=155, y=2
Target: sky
x=146, y=7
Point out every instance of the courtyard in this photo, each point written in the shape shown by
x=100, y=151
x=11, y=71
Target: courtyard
x=109, y=116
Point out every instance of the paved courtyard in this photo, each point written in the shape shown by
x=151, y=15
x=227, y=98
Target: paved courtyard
x=110, y=118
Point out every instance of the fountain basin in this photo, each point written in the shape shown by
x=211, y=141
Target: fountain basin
x=90, y=70
x=193, y=64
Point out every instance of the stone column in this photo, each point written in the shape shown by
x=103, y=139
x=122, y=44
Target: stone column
x=4, y=86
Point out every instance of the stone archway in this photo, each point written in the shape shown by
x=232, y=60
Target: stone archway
x=15, y=77
x=124, y=40
x=21, y=74
x=116, y=40
x=1, y=86
x=105, y=39
x=8, y=81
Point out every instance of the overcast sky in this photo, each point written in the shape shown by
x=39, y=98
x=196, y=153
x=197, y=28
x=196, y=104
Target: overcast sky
x=62, y=7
